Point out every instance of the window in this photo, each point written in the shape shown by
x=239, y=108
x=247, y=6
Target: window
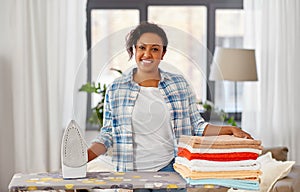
x=108, y=43
x=187, y=38
x=108, y=22
x=229, y=33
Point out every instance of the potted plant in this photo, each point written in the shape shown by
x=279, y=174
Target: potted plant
x=96, y=117
x=207, y=108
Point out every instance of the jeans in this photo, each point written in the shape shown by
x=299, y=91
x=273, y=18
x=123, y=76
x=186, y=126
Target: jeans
x=168, y=168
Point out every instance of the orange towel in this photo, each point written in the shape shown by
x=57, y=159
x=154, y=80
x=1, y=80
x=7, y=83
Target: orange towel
x=236, y=156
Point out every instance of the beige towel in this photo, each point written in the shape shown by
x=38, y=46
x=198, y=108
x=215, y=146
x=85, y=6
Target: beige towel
x=242, y=174
x=221, y=142
x=217, y=146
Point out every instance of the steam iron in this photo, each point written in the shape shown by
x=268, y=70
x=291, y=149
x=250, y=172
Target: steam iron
x=73, y=153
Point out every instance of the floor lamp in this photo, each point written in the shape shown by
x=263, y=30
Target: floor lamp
x=233, y=65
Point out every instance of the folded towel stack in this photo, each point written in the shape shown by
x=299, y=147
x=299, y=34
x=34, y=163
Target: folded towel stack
x=219, y=160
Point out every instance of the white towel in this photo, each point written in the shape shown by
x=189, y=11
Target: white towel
x=204, y=165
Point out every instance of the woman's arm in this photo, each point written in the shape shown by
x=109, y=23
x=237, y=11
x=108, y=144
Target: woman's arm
x=104, y=139
x=211, y=130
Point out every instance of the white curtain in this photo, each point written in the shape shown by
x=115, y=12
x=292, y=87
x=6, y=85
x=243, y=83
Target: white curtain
x=48, y=47
x=271, y=105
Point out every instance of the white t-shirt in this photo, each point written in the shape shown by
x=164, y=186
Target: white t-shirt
x=152, y=133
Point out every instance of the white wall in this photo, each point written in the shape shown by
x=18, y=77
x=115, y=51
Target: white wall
x=6, y=91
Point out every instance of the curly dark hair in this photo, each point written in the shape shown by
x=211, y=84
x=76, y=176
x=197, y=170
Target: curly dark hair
x=144, y=27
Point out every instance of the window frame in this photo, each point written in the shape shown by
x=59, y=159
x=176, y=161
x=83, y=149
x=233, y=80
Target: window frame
x=142, y=6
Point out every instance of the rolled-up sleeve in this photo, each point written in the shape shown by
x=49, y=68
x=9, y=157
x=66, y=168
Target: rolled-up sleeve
x=197, y=121
x=105, y=135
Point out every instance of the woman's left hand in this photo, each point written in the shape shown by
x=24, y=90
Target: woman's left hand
x=225, y=130
x=238, y=132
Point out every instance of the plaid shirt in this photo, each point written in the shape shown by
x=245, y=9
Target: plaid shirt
x=119, y=103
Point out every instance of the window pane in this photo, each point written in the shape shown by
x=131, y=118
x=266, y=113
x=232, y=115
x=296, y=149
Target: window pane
x=105, y=22
x=230, y=34
x=109, y=29
x=188, y=41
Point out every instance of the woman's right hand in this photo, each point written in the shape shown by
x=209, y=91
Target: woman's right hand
x=95, y=150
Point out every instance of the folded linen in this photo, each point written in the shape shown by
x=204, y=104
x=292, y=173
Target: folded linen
x=218, y=140
x=234, y=183
x=236, y=156
x=218, y=166
x=187, y=173
x=219, y=146
x=211, y=150
x=207, y=163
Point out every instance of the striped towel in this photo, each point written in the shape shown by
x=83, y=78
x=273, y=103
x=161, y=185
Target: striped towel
x=214, y=150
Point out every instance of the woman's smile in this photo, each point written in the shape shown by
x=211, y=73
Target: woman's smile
x=149, y=52
x=146, y=61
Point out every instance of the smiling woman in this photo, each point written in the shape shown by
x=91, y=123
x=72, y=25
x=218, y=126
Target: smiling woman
x=148, y=109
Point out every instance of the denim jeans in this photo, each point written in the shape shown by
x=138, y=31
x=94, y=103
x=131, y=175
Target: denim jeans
x=168, y=168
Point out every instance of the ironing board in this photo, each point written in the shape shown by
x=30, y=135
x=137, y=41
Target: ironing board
x=99, y=180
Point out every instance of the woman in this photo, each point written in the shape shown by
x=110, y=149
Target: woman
x=148, y=109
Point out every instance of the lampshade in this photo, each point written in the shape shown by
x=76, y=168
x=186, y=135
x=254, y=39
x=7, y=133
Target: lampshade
x=233, y=65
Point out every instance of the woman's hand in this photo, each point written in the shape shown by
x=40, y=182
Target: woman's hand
x=95, y=150
x=213, y=130
x=236, y=131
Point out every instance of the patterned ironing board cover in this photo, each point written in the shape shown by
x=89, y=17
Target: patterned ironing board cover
x=97, y=180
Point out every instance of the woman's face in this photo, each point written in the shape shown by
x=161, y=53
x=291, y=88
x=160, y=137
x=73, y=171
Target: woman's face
x=149, y=52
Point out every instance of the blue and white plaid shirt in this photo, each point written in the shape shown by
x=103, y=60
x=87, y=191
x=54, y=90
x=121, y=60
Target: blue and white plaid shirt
x=119, y=103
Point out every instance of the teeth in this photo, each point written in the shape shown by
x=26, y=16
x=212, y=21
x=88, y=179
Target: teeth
x=146, y=61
